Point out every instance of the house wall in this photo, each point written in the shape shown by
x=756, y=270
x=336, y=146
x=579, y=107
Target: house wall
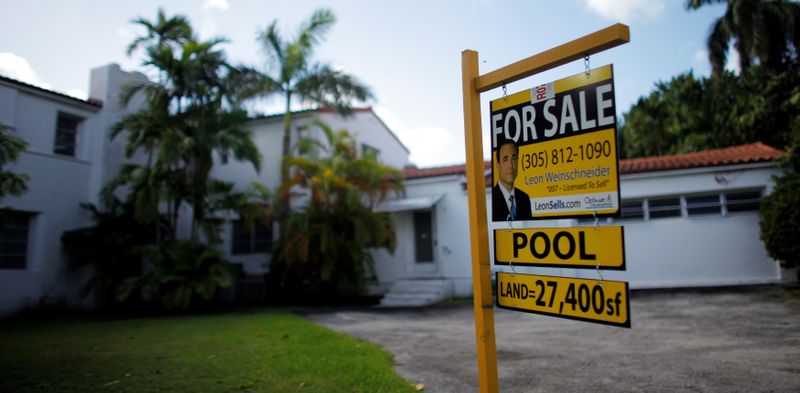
x=58, y=184
x=691, y=251
x=451, y=238
x=688, y=251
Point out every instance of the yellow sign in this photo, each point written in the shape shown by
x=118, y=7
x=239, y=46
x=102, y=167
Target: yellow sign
x=597, y=301
x=581, y=247
x=555, y=146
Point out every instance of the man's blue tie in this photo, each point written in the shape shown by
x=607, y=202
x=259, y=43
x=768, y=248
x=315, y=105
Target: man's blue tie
x=513, y=208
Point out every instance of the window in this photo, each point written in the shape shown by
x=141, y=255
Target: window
x=367, y=149
x=664, y=207
x=66, y=134
x=701, y=205
x=14, y=239
x=631, y=210
x=423, y=236
x=255, y=239
x=742, y=201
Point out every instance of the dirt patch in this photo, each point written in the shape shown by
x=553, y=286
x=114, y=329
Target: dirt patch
x=721, y=340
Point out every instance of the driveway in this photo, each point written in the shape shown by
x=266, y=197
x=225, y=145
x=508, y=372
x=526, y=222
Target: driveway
x=717, y=340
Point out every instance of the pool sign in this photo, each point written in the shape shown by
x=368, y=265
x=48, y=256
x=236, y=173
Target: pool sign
x=598, y=301
x=565, y=133
x=576, y=247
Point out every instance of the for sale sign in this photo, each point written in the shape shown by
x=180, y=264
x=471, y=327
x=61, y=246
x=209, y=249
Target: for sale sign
x=554, y=149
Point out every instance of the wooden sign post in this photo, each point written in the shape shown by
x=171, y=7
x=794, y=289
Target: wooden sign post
x=473, y=84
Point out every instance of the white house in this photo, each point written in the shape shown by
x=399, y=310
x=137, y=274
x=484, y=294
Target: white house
x=70, y=156
x=68, y=159
x=690, y=219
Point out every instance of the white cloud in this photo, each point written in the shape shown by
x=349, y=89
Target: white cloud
x=221, y=5
x=700, y=63
x=208, y=25
x=429, y=145
x=627, y=10
x=17, y=67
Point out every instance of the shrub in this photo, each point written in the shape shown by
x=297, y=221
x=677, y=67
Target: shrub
x=780, y=221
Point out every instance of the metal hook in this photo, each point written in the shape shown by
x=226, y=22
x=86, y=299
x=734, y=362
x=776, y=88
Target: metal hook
x=505, y=93
x=586, y=63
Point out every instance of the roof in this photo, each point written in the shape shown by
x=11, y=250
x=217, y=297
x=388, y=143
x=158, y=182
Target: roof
x=306, y=112
x=91, y=102
x=416, y=173
x=743, y=154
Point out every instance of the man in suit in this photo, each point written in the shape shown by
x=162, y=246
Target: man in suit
x=508, y=202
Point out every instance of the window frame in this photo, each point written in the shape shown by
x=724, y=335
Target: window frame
x=703, y=209
x=258, y=239
x=642, y=210
x=366, y=149
x=25, y=219
x=742, y=202
x=68, y=147
x=667, y=210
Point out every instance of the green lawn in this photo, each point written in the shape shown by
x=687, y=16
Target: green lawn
x=268, y=351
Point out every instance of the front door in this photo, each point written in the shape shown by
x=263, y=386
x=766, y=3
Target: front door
x=423, y=236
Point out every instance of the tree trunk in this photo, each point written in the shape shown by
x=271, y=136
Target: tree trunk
x=287, y=139
x=283, y=204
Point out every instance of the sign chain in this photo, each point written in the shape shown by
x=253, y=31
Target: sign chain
x=586, y=64
x=510, y=228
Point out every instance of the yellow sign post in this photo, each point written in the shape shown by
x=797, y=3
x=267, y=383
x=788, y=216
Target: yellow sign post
x=580, y=248
x=472, y=85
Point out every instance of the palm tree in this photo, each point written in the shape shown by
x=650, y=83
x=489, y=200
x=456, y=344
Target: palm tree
x=162, y=32
x=766, y=30
x=294, y=75
x=326, y=242
x=189, y=115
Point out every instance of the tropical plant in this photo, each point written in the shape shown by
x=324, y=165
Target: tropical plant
x=182, y=274
x=780, y=221
x=767, y=31
x=292, y=74
x=164, y=31
x=111, y=247
x=10, y=148
x=324, y=245
x=692, y=114
x=189, y=115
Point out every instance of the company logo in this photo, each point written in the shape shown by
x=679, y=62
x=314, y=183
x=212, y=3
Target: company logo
x=593, y=202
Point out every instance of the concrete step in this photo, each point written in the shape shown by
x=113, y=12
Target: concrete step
x=417, y=293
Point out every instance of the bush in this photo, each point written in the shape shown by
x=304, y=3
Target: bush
x=110, y=247
x=183, y=275
x=780, y=221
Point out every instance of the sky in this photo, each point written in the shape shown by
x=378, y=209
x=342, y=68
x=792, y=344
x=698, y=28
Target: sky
x=408, y=52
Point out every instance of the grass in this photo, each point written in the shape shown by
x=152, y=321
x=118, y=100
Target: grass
x=265, y=351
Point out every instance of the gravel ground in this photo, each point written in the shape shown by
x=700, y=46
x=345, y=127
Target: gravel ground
x=716, y=340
